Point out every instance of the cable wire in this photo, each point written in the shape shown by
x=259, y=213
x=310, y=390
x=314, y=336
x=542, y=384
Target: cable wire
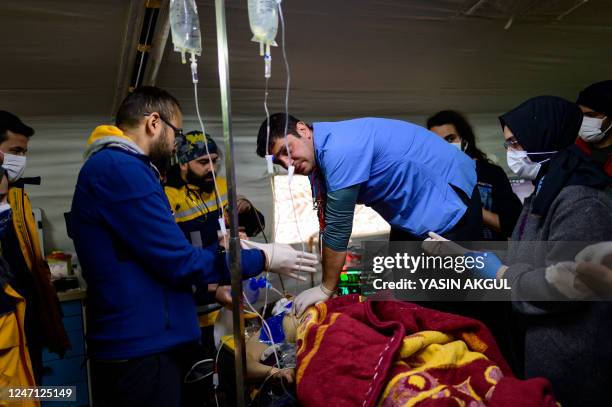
x=287, y=89
x=218, y=196
x=264, y=325
x=288, y=73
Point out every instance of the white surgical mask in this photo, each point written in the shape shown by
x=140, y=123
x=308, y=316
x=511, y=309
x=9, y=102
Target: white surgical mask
x=14, y=165
x=521, y=165
x=590, y=130
x=461, y=146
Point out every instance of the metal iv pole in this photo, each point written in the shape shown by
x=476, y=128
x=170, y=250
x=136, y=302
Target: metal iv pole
x=236, y=269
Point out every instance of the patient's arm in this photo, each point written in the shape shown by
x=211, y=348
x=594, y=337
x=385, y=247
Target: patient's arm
x=255, y=369
x=254, y=349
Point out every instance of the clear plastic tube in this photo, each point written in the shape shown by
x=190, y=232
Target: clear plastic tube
x=269, y=157
x=194, y=70
x=291, y=168
x=287, y=88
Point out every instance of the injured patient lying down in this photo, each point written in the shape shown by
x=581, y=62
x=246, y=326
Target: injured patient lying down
x=388, y=353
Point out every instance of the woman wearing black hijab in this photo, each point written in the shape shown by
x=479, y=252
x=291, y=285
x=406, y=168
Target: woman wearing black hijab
x=566, y=342
x=537, y=129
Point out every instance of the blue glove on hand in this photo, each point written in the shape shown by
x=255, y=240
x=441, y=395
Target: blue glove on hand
x=486, y=264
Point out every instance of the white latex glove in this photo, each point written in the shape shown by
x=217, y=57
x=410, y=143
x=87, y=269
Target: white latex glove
x=594, y=253
x=310, y=297
x=440, y=246
x=435, y=237
x=597, y=277
x=284, y=259
x=563, y=277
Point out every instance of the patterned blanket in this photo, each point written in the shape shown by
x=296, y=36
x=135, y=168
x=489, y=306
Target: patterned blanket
x=388, y=353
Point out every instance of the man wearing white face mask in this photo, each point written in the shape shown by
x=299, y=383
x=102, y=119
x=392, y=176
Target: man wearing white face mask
x=14, y=137
x=595, y=134
x=593, y=129
x=21, y=250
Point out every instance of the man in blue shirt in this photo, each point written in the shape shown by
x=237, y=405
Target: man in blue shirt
x=413, y=179
x=139, y=267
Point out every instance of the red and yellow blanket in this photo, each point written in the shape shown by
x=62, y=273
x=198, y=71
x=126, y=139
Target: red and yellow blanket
x=389, y=353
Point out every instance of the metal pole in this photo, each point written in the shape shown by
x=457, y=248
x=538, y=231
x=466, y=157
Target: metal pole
x=238, y=320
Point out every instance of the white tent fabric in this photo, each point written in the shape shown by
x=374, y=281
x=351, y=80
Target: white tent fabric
x=393, y=58
x=295, y=220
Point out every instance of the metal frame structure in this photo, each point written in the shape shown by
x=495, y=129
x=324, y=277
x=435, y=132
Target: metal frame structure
x=157, y=31
x=236, y=269
x=142, y=48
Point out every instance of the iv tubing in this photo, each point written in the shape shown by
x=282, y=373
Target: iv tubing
x=194, y=68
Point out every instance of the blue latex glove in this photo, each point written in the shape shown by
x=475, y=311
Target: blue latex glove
x=488, y=260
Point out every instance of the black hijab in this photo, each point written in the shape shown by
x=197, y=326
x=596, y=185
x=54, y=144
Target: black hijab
x=544, y=123
x=549, y=123
x=570, y=167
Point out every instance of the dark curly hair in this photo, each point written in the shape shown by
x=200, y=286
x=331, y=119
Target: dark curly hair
x=463, y=128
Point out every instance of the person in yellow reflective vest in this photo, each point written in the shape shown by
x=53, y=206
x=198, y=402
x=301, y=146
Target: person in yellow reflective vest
x=15, y=363
x=191, y=192
x=22, y=251
x=190, y=189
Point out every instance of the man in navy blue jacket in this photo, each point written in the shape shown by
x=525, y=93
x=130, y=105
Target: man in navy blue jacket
x=139, y=267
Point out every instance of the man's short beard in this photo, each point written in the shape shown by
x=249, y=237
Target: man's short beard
x=159, y=153
x=205, y=185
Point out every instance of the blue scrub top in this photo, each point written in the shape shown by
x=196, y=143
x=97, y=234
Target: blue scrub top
x=405, y=171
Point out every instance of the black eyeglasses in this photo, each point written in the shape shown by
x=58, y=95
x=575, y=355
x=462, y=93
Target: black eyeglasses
x=178, y=132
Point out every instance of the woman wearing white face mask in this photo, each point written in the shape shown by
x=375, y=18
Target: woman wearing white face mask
x=535, y=130
x=518, y=160
x=500, y=206
x=553, y=337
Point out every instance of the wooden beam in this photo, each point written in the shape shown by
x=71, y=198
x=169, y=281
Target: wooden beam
x=133, y=24
x=158, y=45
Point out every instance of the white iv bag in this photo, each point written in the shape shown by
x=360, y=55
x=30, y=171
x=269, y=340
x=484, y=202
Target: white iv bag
x=185, y=27
x=263, y=19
